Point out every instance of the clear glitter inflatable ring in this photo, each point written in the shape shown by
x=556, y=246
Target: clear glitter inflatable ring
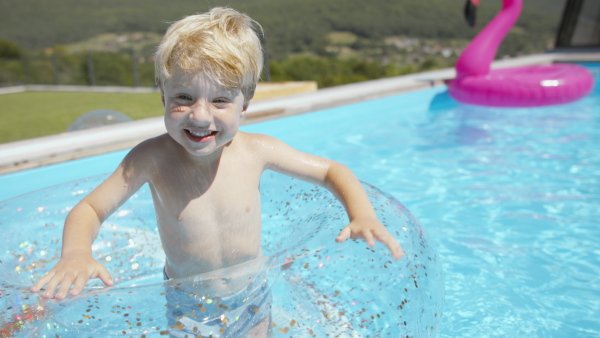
x=318, y=287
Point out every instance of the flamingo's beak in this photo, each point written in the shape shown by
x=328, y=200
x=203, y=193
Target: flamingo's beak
x=470, y=9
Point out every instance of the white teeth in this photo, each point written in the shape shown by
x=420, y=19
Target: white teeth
x=200, y=133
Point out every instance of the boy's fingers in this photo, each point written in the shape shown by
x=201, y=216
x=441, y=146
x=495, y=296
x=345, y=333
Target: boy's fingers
x=51, y=286
x=40, y=283
x=104, y=275
x=392, y=244
x=396, y=249
x=65, y=285
x=368, y=236
x=344, y=235
x=78, y=285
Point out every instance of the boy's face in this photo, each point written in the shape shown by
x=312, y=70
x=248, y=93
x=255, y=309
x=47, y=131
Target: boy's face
x=200, y=114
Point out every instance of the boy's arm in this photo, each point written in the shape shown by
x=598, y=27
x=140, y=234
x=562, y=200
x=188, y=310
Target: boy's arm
x=363, y=220
x=82, y=225
x=338, y=179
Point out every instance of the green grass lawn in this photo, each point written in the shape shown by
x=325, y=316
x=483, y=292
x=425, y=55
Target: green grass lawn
x=34, y=114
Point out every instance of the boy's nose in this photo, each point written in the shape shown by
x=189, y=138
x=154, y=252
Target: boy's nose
x=200, y=112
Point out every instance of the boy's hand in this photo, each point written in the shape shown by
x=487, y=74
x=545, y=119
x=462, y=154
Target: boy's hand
x=74, y=269
x=370, y=229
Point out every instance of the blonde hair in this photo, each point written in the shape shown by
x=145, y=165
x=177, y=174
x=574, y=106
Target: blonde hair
x=222, y=44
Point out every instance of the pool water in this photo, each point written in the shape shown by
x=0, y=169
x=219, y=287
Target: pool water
x=510, y=198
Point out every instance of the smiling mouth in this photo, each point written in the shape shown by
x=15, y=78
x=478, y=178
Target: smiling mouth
x=200, y=136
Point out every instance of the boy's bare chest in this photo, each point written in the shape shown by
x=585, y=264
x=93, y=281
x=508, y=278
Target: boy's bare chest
x=222, y=194
x=224, y=202
x=218, y=218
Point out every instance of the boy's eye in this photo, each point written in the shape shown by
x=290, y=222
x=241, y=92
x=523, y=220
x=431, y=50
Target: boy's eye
x=184, y=97
x=221, y=100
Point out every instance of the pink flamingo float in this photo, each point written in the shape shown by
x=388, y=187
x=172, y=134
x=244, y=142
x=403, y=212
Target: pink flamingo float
x=527, y=86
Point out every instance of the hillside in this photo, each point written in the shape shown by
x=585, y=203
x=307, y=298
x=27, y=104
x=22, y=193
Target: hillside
x=291, y=26
x=332, y=42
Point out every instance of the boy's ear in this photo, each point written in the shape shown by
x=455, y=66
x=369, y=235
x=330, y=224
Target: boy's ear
x=245, y=108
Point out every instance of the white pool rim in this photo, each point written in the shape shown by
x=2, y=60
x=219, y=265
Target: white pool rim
x=30, y=153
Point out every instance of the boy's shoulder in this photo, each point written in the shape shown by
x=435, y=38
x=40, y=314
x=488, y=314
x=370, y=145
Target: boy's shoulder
x=155, y=144
x=256, y=139
x=152, y=148
x=263, y=147
x=256, y=143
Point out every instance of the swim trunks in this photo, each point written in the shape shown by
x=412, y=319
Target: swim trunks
x=190, y=313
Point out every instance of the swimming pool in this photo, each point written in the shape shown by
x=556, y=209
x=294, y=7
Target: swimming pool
x=509, y=196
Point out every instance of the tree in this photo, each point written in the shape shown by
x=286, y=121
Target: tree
x=9, y=50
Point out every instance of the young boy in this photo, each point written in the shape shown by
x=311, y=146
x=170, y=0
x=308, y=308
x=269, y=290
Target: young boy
x=204, y=174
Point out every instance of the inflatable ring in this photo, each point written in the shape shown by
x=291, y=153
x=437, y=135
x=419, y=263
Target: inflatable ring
x=527, y=86
x=319, y=287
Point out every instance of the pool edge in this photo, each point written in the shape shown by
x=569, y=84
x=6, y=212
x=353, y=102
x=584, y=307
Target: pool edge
x=36, y=152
